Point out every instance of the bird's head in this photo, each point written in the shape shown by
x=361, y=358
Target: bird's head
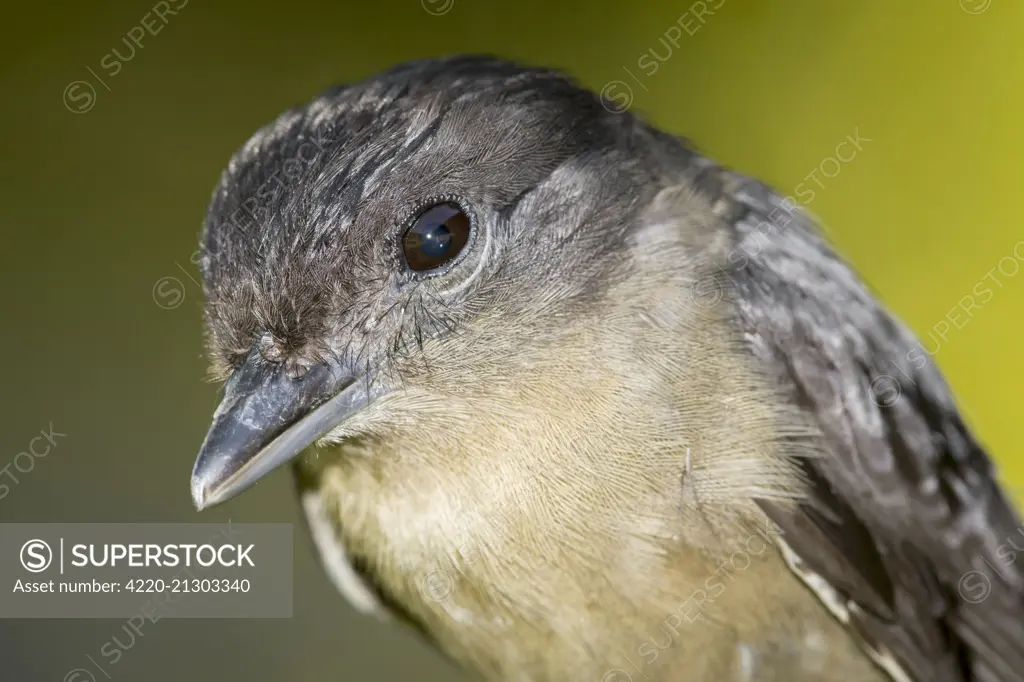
x=399, y=258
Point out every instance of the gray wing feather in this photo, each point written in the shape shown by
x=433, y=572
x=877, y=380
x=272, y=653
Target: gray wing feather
x=904, y=518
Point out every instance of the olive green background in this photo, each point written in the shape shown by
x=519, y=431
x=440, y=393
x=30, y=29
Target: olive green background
x=100, y=209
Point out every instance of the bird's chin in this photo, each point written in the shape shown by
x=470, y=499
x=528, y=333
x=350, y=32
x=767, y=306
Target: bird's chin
x=267, y=418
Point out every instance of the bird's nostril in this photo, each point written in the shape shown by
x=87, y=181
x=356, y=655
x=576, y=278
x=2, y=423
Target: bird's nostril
x=290, y=360
x=295, y=369
x=270, y=348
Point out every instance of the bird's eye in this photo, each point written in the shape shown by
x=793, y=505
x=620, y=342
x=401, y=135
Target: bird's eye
x=437, y=236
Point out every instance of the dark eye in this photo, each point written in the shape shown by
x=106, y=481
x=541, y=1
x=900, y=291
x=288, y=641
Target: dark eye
x=436, y=237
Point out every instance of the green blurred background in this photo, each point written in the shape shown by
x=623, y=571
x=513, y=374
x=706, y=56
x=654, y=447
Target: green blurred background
x=101, y=208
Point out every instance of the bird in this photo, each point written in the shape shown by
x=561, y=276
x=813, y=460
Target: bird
x=574, y=401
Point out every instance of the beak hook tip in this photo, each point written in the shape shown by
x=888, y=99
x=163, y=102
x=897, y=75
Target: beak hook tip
x=199, y=494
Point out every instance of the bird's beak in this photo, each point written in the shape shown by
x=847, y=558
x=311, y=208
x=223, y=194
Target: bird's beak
x=266, y=419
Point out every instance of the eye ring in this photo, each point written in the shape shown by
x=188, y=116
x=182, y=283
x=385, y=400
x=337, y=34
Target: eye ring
x=438, y=234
